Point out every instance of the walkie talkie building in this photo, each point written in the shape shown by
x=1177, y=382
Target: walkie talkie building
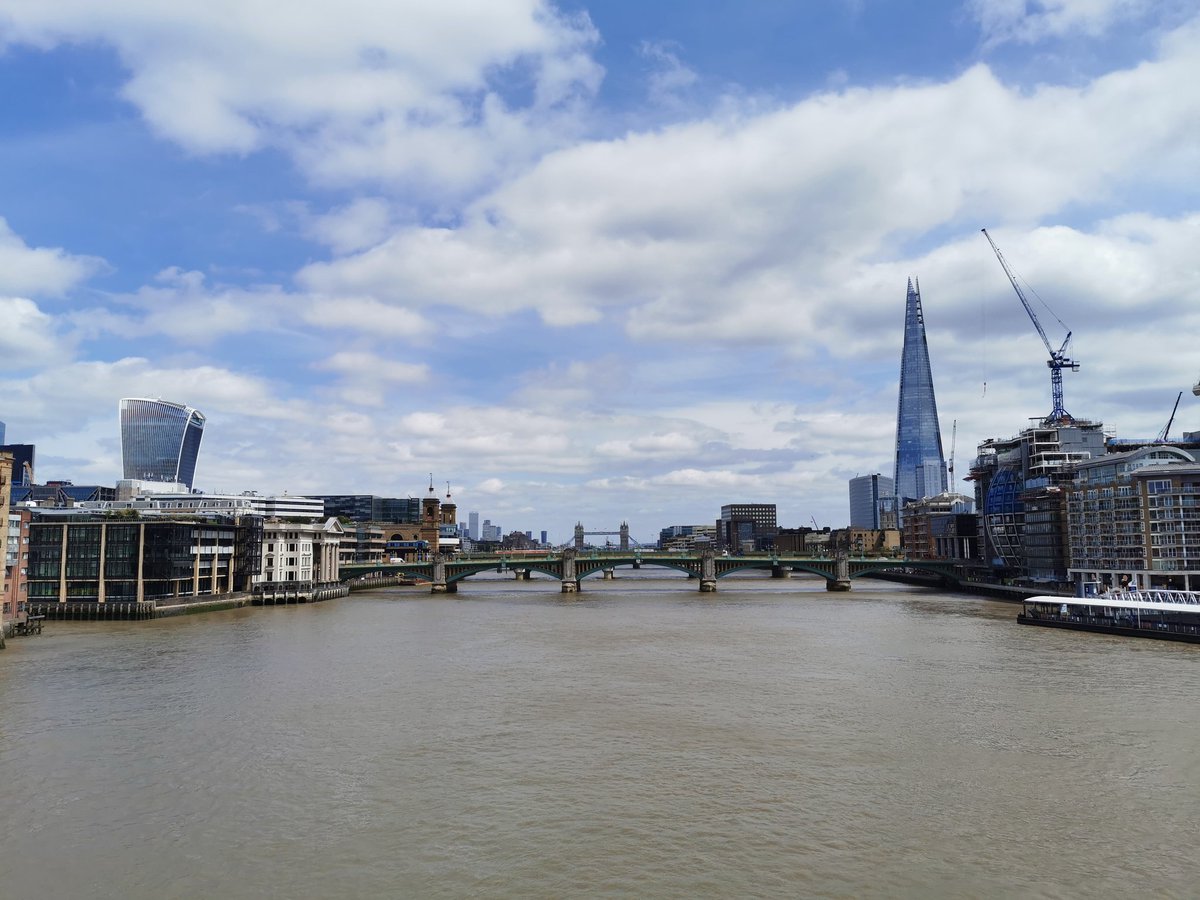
x=160, y=440
x=920, y=465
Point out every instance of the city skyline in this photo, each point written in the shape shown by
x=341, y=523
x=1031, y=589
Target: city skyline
x=602, y=263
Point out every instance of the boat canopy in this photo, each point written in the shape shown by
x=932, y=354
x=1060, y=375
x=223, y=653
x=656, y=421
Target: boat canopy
x=1164, y=600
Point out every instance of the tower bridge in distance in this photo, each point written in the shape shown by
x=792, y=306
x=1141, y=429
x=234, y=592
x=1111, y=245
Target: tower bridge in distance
x=622, y=535
x=571, y=568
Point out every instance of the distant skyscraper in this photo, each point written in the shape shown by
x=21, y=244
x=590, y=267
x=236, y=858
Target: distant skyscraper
x=866, y=494
x=920, y=466
x=24, y=457
x=160, y=440
x=1, y=432
x=473, y=526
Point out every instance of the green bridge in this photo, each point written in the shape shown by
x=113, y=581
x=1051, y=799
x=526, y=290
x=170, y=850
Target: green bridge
x=444, y=573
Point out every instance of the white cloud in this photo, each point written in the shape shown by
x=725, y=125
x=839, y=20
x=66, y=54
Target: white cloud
x=1028, y=22
x=769, y=227
x=370, y=366
x=357, y=226
x=28, y=336
x=367, y=90
x=40, y=271
x=669, y=77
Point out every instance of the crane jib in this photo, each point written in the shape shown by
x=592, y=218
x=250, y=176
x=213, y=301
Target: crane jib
x=1058, y=360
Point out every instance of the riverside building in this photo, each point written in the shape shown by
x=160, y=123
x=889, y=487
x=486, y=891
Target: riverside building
x=1020, y=484
x=300, y=559
x=81, y=564
x=1134, y=519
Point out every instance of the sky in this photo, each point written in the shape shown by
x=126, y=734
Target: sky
x=597, y=263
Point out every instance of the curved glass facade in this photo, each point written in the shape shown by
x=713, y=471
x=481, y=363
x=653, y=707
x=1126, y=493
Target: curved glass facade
x=160, y=440
x=920, y=466
x=1004, y=516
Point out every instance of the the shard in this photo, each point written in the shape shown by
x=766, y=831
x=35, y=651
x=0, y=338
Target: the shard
x=920, y=465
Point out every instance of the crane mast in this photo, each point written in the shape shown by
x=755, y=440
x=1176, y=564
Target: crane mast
x=1058, y=358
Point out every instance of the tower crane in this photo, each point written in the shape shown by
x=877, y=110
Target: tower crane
x=953, y=440
x=1162, y=435
x=1058, y=358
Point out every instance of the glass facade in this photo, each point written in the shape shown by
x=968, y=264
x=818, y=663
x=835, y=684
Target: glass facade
x=160, y=440
x=920, y=465
x=867, y=493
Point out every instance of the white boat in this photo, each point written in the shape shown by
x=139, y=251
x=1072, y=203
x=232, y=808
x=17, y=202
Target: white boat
x=1156, y=613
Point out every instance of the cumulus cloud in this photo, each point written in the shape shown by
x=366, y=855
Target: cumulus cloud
x=773, y=227
x=369, y=90
x=28, y=336
x=40, y=271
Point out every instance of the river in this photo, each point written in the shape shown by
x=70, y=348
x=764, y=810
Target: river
x=639, y=739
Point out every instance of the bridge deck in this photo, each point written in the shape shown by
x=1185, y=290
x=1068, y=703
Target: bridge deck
x=570, y=569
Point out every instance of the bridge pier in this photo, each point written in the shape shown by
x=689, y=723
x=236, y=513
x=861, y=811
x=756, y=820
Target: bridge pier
x=522, y=574
x=440, y=585
x=570, y=578
x=841, y=579
x=609, y=574
x=781, y=572
x=708, y=573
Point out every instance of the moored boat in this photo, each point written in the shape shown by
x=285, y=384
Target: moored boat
x=1163, y=614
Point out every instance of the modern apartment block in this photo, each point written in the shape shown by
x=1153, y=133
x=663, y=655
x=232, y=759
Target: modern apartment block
x=941, y=527
x=920, y=466
x=160, y=440
x=1020, y=485
x=1134, y=517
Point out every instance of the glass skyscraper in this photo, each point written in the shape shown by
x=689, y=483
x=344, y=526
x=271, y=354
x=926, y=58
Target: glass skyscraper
x=920, y=465
x=160, y=440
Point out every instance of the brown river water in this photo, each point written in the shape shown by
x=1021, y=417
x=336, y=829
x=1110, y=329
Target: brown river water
x=637, y=740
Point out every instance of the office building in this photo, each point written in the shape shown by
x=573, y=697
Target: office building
x=920, y=466
x=473, y=526
x=24, y=456
x=61, y=493
x=160, y=440
x=747, y=527
x=299, y=558
x=867, y=496
x=88, y=560
x=369, y=508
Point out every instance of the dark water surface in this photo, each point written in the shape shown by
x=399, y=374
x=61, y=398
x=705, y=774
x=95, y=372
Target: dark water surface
x=643, y=740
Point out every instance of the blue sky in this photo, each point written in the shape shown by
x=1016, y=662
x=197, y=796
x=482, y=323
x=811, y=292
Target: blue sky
x=587, y=262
